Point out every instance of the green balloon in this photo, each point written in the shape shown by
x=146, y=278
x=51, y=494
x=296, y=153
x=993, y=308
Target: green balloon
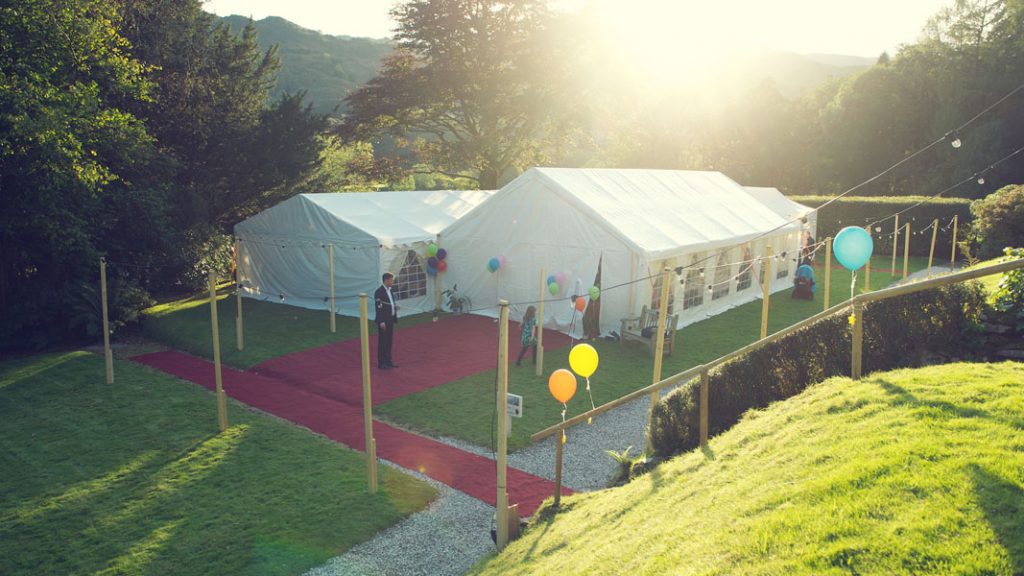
x=594, y=292
x=432, y=249
x=553, y=288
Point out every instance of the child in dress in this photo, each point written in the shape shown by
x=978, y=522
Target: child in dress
x=529, y=336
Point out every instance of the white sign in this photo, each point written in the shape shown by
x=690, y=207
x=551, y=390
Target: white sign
x=515, y=405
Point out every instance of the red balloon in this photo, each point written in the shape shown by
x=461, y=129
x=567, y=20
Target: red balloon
x=442, y=266
x=581, y=304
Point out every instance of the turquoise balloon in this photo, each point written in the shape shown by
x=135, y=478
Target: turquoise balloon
x=852, y=247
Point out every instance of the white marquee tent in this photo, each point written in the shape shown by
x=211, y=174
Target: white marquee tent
x=788, y=209
x=283, y=251
x=634, y=222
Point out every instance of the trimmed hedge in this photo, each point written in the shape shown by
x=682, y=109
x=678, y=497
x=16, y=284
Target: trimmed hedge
x=862, y=210
x=905, y=331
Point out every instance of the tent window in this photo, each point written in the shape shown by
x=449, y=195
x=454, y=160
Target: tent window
x=722, y=276
x=745, y=277
x=656, y=295
x=412, y=278
x=693, y=289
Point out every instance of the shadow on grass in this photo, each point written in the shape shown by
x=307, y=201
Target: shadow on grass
x=947, y=409
x=1003, y=504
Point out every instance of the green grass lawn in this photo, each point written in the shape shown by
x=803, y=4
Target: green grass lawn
x=464, y=408
x=270, y=329
x=134, y=478
x=904, y=472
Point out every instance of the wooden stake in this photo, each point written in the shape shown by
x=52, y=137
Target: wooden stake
x=330, y=257
x=828, y=269
x=370, y=442
x=222, y=405
x=108, y=355
x=895, y=243
x=867, y=275
x=704, y=407
x=931, y=251
x=502, y=405
x=659, y=342
x=952, y=256
x=539, y=369
x=238, y=297
x=559, y=442
x=906, y=251
x=766, y=290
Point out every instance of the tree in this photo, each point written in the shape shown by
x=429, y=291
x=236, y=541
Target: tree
x=473, y=86
x=235, y=154
x=77, y=170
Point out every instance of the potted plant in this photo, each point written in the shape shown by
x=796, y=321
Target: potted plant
x=457, y=303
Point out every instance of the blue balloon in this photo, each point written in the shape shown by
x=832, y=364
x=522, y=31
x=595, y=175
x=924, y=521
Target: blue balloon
x=493, y=264
x=852, y=247
x=551, y=278
x=431, y=271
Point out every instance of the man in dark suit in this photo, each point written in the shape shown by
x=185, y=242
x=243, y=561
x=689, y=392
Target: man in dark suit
x=387, y=316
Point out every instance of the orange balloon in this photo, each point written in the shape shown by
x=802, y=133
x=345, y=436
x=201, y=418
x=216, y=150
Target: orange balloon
x=581, y=304
x=562, y=385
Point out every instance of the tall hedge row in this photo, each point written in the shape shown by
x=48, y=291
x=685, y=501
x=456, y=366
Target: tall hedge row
x=864, y=210
x=905, y=331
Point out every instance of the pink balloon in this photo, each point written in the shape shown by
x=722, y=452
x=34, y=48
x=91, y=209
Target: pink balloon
x=560, y=277
x=501, y=258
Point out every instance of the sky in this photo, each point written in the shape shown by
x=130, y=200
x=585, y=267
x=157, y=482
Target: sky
x=852, y=27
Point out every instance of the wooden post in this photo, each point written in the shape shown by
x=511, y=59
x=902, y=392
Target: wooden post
x=330, y=268
x=238, y=297
x=502, y=405
x=438, y=285
x=539, y=368
x=952, y=256
x=222, y=405
x=906, y=250
x=895, y=243
x=108, y=355
x=858, y=339
x=559, y=442
x=766, y=289
x=931, y=251
x=659, y=341
x=867, y=275
x=704, y=407
x=370, y=442
x=828, y=270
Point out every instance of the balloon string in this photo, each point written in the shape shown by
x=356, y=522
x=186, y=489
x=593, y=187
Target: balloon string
x=564, y=408
x=592, y=407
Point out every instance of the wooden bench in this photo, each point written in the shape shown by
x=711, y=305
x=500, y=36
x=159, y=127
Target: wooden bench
x=634, y=329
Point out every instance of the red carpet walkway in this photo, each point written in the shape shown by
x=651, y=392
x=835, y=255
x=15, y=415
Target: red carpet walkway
x=321, y=389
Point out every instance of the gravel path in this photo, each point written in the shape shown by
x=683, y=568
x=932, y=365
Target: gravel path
x=449, y=536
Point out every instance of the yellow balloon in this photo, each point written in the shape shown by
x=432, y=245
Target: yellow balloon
x=583, y=360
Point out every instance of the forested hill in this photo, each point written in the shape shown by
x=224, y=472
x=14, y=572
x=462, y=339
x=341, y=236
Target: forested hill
x=326, y=67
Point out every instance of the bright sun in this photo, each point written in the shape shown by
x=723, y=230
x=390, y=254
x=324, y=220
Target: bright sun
x=669, y=40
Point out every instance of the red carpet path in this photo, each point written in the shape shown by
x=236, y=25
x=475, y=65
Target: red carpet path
x=321, y=389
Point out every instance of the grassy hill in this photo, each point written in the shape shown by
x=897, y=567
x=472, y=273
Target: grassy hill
x=904, y=472
x=326, y=67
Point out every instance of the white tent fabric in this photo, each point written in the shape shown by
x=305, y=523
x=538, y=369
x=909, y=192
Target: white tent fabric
x=788, y=209
x=283, y=251
x=635, y=222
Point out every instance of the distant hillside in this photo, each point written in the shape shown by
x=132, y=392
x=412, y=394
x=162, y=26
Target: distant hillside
x=796, y=74
x=326, y=67
x=329, y=67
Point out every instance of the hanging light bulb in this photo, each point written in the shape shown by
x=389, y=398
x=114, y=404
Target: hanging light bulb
x=954, y=139
x=981, y=178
